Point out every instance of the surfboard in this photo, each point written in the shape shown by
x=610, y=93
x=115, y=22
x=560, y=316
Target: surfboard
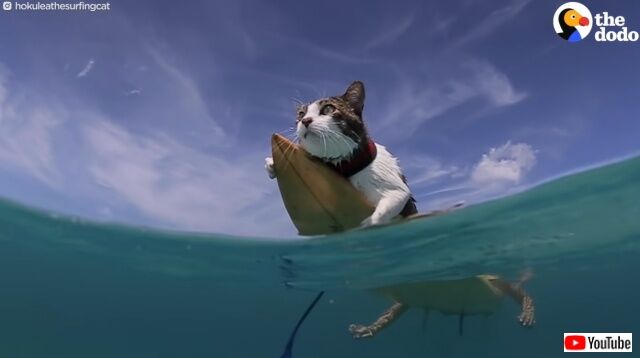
x=318, y=200
x=472, y=295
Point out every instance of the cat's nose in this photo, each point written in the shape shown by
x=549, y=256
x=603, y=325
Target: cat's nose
x=307, y=121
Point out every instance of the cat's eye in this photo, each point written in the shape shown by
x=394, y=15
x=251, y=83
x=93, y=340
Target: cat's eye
x=300, y=113
x=328, y=109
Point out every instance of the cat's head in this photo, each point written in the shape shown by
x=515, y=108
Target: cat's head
x=332, y=128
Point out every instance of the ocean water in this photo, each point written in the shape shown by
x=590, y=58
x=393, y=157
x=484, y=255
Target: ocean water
x=73, y=288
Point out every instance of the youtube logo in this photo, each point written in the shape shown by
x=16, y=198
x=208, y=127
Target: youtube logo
x=575, y=343
x=598, y=342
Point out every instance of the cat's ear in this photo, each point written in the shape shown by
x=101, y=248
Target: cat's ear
x=354, y=96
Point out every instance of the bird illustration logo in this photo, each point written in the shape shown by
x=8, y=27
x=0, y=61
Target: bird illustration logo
x=572, y=21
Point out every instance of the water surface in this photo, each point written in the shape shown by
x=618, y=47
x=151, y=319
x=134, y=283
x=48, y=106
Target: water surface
x=73, y=288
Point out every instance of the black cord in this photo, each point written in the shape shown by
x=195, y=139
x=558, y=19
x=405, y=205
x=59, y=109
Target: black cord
x=289, y=347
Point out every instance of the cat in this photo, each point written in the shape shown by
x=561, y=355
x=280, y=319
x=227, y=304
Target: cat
x=332, y=129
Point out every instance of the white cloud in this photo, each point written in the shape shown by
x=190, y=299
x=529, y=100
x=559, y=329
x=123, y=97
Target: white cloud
x=87, y=68
x=4, y=73
x=508, y=163
x=413, y=105
x=190, y=98
x=128, y=175
x=175, y=183
x=491, y=22
x=133, y=92
x=26, y=133
x=424, y=170
x=334, y=54
x=500, y=172
x=416, y=101
x=494, y=85
x=388, y=35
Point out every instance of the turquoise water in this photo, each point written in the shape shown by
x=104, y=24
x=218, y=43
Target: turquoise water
x=72, y=288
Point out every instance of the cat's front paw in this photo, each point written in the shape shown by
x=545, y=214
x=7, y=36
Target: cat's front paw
x=268, y=165
x=370, y=221
x=359, y=331
x=527, y=317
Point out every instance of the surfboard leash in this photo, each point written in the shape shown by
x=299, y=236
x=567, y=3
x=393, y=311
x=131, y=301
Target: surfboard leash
x=289, y=347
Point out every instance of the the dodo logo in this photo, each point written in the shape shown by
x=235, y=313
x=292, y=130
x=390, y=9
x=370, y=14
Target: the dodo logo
x=572, y=21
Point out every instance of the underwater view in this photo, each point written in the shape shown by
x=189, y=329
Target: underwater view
x=73, y=288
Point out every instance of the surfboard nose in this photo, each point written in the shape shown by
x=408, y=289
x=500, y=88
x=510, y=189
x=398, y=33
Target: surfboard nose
x=282, y=143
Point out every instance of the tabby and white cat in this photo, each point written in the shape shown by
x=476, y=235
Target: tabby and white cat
x=332, y=129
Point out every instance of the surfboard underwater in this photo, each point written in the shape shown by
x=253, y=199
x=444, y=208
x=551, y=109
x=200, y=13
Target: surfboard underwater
x=473, y=295
x=320, y=201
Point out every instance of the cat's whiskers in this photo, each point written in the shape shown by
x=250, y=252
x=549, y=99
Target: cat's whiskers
x=324, y=141
x=336, y=144
x=291, y=148
x=356, y=134
x=348, y=148
x=325, y=132
x=288, y=151
x=297, y=100
x=289, y=134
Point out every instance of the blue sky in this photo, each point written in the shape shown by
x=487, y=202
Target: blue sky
x=159, y=112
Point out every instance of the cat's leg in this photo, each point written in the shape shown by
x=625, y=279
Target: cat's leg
x=527, y=316
x=268, y=165
x=387, y=317
x=391, y=204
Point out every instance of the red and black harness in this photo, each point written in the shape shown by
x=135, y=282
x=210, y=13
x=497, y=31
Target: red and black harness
x=361, y=158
